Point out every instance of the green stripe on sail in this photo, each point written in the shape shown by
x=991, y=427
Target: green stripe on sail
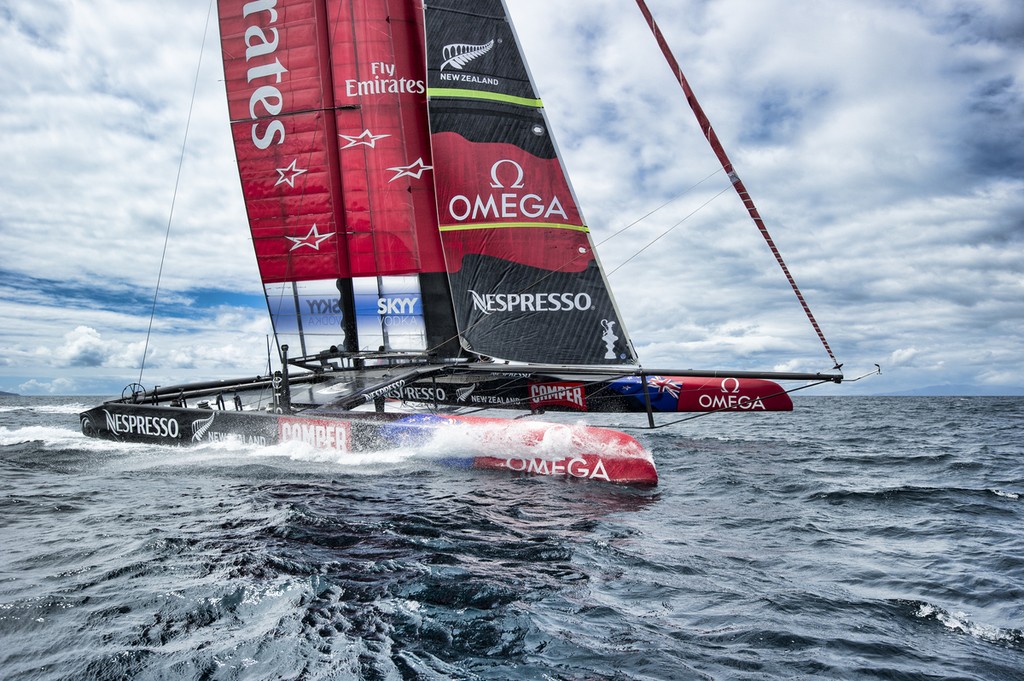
x=505, y=225
x=482, y=94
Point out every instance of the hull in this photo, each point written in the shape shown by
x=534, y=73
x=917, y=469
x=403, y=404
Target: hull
x=525, y=447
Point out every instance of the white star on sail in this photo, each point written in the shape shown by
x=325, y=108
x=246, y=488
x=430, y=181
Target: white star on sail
x=313, y=239
x=293, y=171
x=367, y=138
x=414, y=169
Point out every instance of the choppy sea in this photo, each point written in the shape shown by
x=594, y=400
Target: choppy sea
x=854, y=538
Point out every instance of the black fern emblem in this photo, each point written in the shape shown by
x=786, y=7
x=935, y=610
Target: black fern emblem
x=459, y=54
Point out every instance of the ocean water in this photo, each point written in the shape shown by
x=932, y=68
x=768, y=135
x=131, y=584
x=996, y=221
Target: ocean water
x=855, y=538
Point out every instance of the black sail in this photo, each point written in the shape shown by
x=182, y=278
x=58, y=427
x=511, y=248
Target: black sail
x=525, y=279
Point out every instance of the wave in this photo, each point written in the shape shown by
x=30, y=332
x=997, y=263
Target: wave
x=45, y=408
x=50, y=437
x=908, y=494
x=962, y=623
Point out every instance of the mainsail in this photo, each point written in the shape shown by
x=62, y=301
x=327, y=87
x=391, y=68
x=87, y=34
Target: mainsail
x=328, y=115
x=525, y=279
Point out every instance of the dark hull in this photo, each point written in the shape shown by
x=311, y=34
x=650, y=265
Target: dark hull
x=518, y=446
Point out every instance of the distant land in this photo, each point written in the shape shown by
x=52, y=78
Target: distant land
x=3, y=394
x=959, y=390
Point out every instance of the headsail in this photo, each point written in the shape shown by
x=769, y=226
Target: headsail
x=525, y=279
x=328, y=115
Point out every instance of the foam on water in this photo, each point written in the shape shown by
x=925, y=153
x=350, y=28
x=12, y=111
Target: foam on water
x=519, y=439
x=961, y=622
x=58, y=438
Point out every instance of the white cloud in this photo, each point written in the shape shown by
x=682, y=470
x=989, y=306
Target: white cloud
x=58, y=386
x=82, y=347
x=902, y=356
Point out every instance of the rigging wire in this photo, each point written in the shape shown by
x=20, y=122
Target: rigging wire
x=640, y=219
x=622, y=230
x=174, y=195
x=723, y=158
x=657, y=238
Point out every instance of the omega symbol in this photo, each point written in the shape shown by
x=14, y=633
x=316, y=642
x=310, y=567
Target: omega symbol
x=497, y=184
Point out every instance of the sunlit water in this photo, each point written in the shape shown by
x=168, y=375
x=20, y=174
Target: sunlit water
x=856, y=538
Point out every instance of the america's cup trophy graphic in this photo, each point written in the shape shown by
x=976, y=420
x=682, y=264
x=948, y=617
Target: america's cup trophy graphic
x=609, y=338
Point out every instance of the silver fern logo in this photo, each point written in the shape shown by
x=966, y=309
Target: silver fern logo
x=458, y=55
x=199, y=428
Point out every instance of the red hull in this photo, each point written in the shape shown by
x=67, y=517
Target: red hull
x=570, y=451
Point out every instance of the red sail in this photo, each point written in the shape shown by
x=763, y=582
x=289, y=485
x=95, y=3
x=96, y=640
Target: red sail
x=327, y=106
x=380, y=93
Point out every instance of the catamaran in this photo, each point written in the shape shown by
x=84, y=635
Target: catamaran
x=423, y=254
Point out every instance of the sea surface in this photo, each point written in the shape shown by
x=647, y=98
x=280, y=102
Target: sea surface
x=855, y=538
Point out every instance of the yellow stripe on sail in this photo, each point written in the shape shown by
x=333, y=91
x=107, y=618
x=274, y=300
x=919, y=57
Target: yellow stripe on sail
x=460, y=93
x=506, y=225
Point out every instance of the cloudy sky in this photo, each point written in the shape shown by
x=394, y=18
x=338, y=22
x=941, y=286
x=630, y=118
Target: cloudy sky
x=883, y=141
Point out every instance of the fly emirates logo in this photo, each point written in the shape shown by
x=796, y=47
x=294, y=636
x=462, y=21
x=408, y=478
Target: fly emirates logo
x=507, y=202
x=264, y=72
x=383, y=81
